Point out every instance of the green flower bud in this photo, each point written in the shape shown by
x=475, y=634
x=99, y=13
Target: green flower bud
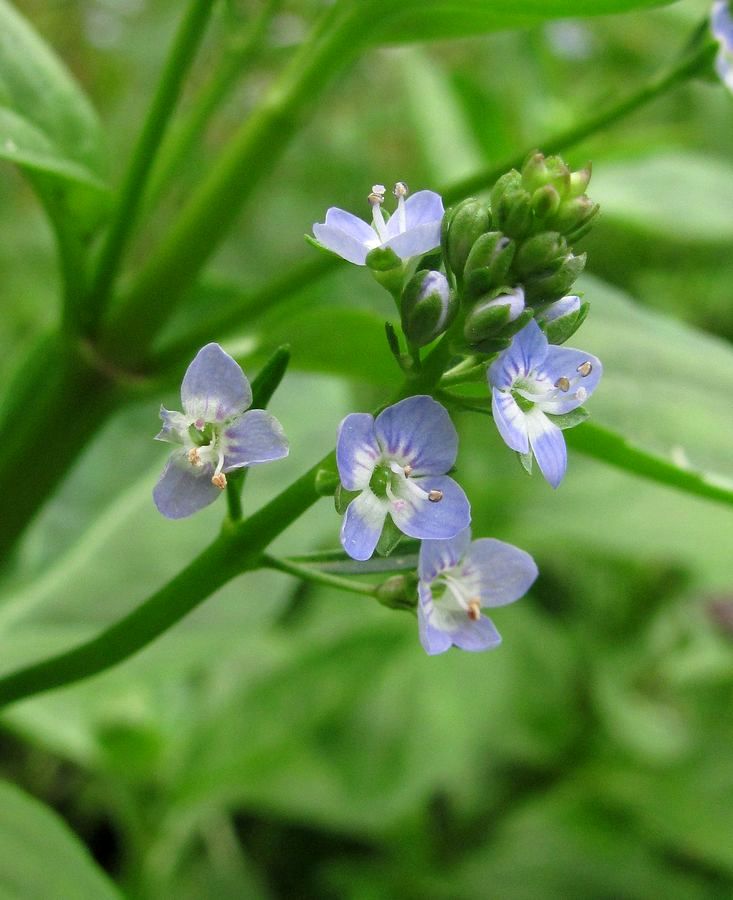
x=511, y=206
x=462, y=226
x=573, y=214
x=544, y=253
x=539, y=170
x=552, y=286
x=579, y=180
x=489, y=317
x=488, y=263
x=545, y=201
x=428, y=307
x=561, y=319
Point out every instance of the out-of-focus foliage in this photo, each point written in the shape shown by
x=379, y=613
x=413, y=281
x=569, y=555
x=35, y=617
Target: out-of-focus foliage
x=291, y=741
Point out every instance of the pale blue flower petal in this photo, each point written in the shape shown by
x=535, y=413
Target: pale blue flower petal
x=357, y=451
x=510, y=421
x=352, y=225
x=344, y=245
x=477, y=636
x=721, y=22
x=256, y=437
x=184, y=489
x=434, y=640
x=437, y=556
x=562, y=307
x=416, y=241
x=214, y=387
x=418, y=517
x=564, y=362
x=498, y=573
x=423, y=207
x=440, y=628
x=418, y=432
x=526, y=353
x=362, y=525
x=175, y=426
x=548, y=446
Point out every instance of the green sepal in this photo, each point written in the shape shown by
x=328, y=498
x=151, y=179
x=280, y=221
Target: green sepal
x=426, y=317
x=463, y=225
x=383, y=259
x=569, y=419
x=525, y=460
x=488, y=263
x=342, y=498
x=309, y=239
x=559, y=330
x=547, y=288
x=389, y=538
x=541, y=254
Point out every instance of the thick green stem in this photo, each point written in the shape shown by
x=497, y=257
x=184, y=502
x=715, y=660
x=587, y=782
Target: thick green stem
x=241, y=52
x=308, y=573
x=210, y=213
x=182, y=54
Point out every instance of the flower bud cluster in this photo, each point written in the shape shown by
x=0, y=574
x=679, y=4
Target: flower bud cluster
x=513, y=258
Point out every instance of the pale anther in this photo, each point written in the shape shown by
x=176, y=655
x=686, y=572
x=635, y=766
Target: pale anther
x=474, y=610
x=194, y=457
x=377, y=195
x=219, y=480
x=581, y=394
x=408, y=471
x=585, y=368
x=435, y=495
x=400, y=189
x=563, y=384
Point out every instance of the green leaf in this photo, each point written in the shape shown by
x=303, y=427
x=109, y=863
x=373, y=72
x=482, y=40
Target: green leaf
x=415, y=20
x=49, y=129
x=41, y=857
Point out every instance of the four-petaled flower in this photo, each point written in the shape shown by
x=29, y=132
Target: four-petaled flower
x=722, y=26
x=532, y=378
x=398, y=463
x=413, y=229
x=457, y=579
x=215, y=434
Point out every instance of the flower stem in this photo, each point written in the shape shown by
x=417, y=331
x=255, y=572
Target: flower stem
x=308, y=573
x=185, y=45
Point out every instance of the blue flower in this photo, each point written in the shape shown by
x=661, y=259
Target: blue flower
x=397, y=462
x=721, y=22
x=214, y=433
x=533, y=378
x=457, y=579
x=412, y=230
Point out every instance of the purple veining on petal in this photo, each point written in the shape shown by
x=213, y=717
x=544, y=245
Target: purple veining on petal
x=418, y=432
x=437, y=556
x=362, y=525
x=548, y=446
x=214, y=387
x=357, y=451
x=256, y=437
x=417, y=516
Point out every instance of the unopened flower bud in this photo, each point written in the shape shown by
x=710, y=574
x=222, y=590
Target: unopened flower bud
x=544, y=253
x=579, y=180
x=462, y=226
x=488, y=318
x=488, y=263
x=539, y=170
x=398, y=592
x=545, y=201
x=561, y=319
x=428, y=307
x=574, y=213
x=546, y=288
x=511, y=206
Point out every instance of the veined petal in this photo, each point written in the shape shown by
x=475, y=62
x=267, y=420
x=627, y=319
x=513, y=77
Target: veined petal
x=184, y=489
x=344, y=245
x=496, y=572
x=418, y=432
x=214, y=387
x=175, y=426
x=437, y=556
x=256, y=437
x=351, y=225
x=510, y=420
x=357, y=451
x=415, y=241
x=526, y=353
x=434, y=640
x=440, y=627
x=363, y=525
x=548, y=446
x=564, y=362
x=418, y=517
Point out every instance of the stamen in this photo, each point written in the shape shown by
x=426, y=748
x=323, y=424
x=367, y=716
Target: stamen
x=408, y=471
x=194, y=457
x=585, y=368
x=435, y=496
x=401, y=190
x=474, y=609
x=581, y=394
x=376, y=199
x=219, y=480
x=563, y=384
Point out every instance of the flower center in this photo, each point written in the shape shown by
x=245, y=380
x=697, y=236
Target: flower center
x=381, y=480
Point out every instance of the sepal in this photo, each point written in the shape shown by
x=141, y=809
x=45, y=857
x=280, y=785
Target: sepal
x=488, y=263
x=569, y=419
x=342, y=498
x=399, y=592
x=428, y=307
x=463, y=225
x=389, y=538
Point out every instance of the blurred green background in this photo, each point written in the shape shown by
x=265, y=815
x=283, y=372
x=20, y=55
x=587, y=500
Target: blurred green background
x=288, y=741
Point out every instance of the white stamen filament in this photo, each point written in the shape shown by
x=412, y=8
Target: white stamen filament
x=400, y=192
x=376, y=199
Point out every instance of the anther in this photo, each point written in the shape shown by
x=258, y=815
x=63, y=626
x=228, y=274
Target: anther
x=563, y=384
x=400, y=189
x=219, y=480
x=408, y=471
x=581, y=394
x=194, y=457
x=474, y=610
x=585, y=368
x=376, y=198
x=435, y=495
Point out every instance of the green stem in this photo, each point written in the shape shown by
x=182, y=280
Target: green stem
x=182, y=53
x=307, y=573
x=234, y=495
x=212, y=209
x=240, y=54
